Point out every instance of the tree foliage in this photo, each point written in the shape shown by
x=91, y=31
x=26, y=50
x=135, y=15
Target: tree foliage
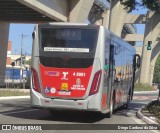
x=28, y=62
x=156, y=77
x=153, y=5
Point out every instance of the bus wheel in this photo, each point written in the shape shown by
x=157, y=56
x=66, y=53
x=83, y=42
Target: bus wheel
x=128, y=100
x=54, y=112
x=125, y=106
x=109, y=115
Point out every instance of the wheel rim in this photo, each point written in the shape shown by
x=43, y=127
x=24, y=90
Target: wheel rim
x=111, y=107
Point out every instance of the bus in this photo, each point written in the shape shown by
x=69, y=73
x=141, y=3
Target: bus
x=81, y=67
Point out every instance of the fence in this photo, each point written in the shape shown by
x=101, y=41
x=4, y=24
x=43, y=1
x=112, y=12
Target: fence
x=14, y=82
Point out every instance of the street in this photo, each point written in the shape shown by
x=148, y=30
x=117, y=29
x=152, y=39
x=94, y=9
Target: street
x=19, y=112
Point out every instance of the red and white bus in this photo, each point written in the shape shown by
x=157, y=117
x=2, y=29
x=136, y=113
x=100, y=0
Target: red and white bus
x=80, y=67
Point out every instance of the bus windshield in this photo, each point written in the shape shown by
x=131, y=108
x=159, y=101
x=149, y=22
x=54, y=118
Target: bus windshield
x=68, y=39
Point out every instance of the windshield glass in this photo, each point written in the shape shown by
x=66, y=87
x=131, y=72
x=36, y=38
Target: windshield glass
x=68, y=39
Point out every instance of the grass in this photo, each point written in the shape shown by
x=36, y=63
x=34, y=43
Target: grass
x=5, y=93
x=142, y=87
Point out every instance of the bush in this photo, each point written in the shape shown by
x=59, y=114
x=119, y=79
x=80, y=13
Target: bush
x=13, y=92
x=142, y=87
x=154, y=108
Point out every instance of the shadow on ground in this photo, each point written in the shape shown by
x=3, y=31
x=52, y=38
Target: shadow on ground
x=21, y=109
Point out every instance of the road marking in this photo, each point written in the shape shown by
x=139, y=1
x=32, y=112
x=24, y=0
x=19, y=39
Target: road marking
x=139, y=121
x=19, y=112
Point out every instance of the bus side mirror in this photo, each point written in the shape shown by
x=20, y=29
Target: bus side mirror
x=138, y=62
x=33, y=35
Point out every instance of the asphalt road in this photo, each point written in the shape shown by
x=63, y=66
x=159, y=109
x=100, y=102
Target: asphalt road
x=18, y=111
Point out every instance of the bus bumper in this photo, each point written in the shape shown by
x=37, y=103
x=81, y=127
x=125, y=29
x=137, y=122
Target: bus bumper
x=38, y=101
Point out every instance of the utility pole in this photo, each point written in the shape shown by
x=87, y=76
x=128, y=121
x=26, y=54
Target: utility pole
x=110, y=15
x=21, y=70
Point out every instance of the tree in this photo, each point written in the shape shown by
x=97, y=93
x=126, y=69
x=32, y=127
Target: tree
x=156, y=77
x=153, y=5
x=28, y=62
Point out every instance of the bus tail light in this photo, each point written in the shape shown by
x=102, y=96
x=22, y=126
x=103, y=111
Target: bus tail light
x=35, y=81
x=96, y=83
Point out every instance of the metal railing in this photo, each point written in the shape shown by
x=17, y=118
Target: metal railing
x=14, y=82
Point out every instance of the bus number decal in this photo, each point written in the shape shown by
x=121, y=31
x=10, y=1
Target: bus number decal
x=79, y=74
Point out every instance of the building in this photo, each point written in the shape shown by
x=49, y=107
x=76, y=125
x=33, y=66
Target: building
x=20, y=70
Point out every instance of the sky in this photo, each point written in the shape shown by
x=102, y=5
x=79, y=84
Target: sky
x=16, y=30
x=140, y=27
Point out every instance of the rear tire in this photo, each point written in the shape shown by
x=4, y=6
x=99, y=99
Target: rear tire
x=128, y=100
x=125, y=106
x=111, y=108
x=54, y=112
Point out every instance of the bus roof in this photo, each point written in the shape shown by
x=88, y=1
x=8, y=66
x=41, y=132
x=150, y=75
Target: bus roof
x=68, y=23
x=120, y=41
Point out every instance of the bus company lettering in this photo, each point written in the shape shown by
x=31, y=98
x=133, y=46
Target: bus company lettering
x=64, y=76
x=52, y=73
x=78, y=87
x=68, y=93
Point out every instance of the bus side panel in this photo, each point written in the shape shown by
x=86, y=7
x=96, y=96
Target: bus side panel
x=106, y=56
x=123, y=57
x=35, y=64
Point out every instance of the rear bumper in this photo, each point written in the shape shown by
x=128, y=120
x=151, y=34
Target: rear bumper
x=89, y=104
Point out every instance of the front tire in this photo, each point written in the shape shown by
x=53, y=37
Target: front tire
x=111, y=108
x=128, y=100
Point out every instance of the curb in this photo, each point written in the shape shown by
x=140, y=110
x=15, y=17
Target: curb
x=137, y=92
x=14, y=97
x=145, y=118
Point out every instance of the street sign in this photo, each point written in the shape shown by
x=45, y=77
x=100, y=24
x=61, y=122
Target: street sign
x=24, y=73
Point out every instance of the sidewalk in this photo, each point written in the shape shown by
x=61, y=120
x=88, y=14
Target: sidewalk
x=147, y=117
x=14, y=97
x=146, y=92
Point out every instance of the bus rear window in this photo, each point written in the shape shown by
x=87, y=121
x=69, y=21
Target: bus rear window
x=68, y=39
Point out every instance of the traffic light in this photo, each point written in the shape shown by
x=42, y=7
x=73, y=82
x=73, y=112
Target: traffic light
x=149, y=45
